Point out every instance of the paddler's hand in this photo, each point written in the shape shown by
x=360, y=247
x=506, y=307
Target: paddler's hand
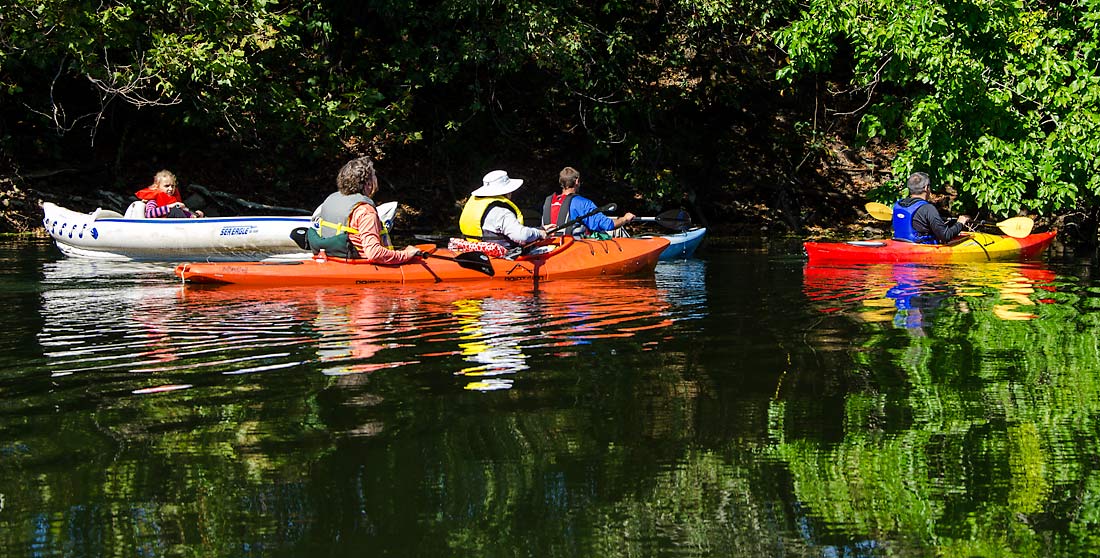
x=964, y=219
x=620, y=221
x=412, y=251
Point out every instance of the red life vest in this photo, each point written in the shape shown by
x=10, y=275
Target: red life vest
x=555, y=207
x=552, y=209
x=161, y=197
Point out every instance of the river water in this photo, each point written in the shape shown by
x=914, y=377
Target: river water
x=742, y=404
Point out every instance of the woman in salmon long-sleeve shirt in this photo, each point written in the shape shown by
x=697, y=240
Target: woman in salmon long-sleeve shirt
x=351, y=207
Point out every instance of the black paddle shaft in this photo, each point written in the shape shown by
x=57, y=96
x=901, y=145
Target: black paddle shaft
x=676, y=219
x=571, y=222
x=516, y=252
x=476, y=261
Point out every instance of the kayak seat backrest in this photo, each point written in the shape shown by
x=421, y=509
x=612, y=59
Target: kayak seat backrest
x=101, y=213
x=136, y=210
x=338, y=246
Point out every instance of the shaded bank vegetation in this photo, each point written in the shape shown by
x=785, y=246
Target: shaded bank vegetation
x=779, y=114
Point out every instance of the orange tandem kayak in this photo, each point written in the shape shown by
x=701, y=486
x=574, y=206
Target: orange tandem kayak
x=973, y=247
x=559, y=258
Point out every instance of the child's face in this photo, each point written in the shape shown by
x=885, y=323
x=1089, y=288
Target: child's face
x=168, y=187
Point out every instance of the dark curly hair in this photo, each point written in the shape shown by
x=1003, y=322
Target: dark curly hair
x=354, y=176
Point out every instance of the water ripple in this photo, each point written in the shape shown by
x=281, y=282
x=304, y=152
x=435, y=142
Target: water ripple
x=145, y=325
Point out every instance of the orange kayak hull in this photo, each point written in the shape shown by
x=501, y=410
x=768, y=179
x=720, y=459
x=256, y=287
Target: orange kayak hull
x=567, y=258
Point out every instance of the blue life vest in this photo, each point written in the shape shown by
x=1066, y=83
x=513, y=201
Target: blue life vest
x=903, y=224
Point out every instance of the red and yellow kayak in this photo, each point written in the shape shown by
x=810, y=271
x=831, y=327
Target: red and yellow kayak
x=974, y=247
x=559, y=258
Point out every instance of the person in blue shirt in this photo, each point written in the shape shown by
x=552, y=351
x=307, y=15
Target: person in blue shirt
x=917, y=220
x=569, y=204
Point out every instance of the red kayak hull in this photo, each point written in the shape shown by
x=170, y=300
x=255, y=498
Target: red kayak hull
x=975, y=247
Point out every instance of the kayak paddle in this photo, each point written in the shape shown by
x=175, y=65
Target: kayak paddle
x=433, y=238
x=1016, y=227
x=516, y=252
x=298, y=235
x=676, y=219
x=476, y=261
x=879, y=211
x=571, y=222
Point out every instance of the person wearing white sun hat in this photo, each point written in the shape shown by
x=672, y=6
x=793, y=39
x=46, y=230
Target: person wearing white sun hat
x=490, y=216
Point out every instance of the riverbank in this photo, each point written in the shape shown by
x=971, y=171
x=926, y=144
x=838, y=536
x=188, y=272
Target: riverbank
x=758, y=201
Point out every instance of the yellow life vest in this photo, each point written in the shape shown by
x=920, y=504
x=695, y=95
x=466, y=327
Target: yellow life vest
x=473, y=213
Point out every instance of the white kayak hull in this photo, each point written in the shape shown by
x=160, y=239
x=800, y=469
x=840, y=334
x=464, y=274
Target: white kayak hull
x=105, y=234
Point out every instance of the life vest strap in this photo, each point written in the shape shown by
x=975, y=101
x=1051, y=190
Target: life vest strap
x=321, y=223
x=384, y=233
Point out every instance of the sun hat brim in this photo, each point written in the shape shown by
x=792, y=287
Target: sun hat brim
x=498, y=188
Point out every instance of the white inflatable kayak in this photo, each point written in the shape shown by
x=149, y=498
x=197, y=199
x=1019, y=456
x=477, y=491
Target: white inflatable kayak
x=106, y=234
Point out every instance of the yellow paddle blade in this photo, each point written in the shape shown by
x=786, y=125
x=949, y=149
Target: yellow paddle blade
x=1016, y=227
x=879, y=211
x=1003, y=312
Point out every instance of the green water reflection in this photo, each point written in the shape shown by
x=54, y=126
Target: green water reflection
x=975, y=434
x=741, y=406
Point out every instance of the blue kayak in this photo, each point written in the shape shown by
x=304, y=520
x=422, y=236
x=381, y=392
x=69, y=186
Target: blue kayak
x=682, y=245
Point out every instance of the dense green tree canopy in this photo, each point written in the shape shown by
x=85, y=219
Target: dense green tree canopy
x=997, y=98
x=255, y=70
x=735, y=101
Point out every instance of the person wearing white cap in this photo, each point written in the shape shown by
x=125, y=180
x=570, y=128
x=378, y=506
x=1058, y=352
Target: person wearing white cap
x=490, y=216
